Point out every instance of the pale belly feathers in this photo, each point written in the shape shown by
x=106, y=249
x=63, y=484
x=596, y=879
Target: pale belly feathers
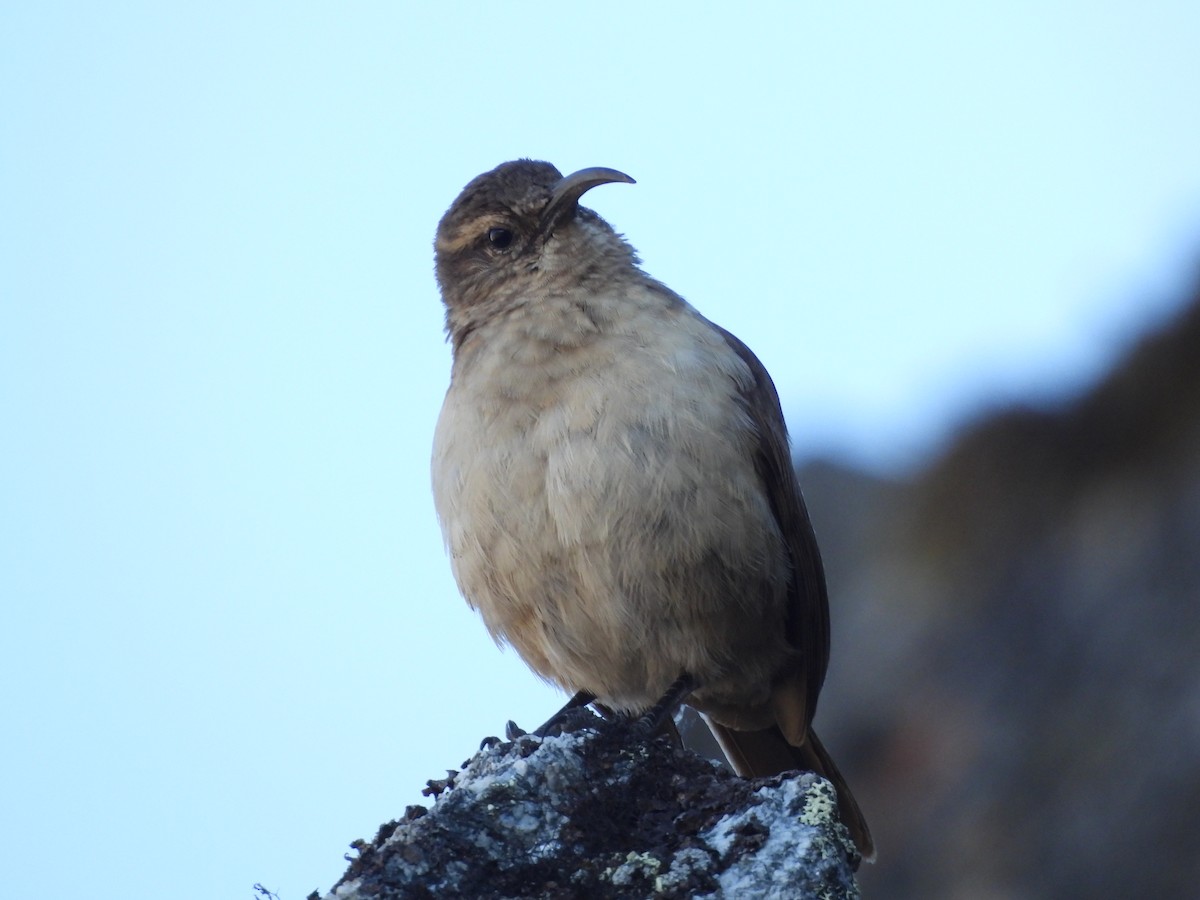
x=602, y=509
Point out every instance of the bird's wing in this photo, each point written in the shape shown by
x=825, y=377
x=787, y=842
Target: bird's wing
x=808, y=606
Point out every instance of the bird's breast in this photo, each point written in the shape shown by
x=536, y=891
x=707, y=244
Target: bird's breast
x=584, y=490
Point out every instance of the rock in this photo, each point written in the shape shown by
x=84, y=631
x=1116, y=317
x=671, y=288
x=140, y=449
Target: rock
x=597, y=812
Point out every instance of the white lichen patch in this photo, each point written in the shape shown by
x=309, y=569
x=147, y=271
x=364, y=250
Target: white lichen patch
x=685, y=863
x=820, y=804
x=637, y=866
x=792, y=826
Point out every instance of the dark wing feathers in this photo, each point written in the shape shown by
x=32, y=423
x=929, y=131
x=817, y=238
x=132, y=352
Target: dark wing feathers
x=808, y=620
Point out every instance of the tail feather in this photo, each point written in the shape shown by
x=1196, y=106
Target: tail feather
x=757, y=754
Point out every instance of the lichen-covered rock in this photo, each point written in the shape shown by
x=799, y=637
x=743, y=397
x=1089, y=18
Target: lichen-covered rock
x=597, y=813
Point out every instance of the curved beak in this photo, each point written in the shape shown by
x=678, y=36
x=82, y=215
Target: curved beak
x=564, y=201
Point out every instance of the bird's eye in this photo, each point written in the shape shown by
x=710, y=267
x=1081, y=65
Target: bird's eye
x=500, y=238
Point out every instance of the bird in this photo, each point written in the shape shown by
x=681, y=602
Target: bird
x=612, y=476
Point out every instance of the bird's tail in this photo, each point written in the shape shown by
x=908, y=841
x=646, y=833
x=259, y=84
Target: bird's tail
x=758, y=754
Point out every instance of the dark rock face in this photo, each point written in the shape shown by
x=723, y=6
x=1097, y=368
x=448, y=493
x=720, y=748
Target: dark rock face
x=1015, y=686
x=597, y=813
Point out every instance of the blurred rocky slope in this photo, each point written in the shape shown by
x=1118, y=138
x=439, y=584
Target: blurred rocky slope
x=1015, y=691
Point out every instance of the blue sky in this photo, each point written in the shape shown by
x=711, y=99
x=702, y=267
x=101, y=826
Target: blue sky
x=230, y=640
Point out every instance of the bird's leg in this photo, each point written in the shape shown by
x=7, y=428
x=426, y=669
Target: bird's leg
x=582, y=698
x=654, y=717
x=606, y=712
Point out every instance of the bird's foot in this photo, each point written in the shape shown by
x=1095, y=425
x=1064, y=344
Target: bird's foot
x=553, y=725
x=652, y=721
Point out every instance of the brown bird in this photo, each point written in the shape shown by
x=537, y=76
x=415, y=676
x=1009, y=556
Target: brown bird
x=612, y=475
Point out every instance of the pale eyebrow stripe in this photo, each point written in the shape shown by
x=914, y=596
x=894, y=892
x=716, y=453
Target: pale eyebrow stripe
x=470, y=230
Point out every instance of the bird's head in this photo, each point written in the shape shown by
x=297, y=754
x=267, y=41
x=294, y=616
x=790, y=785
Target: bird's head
x=518, y=233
